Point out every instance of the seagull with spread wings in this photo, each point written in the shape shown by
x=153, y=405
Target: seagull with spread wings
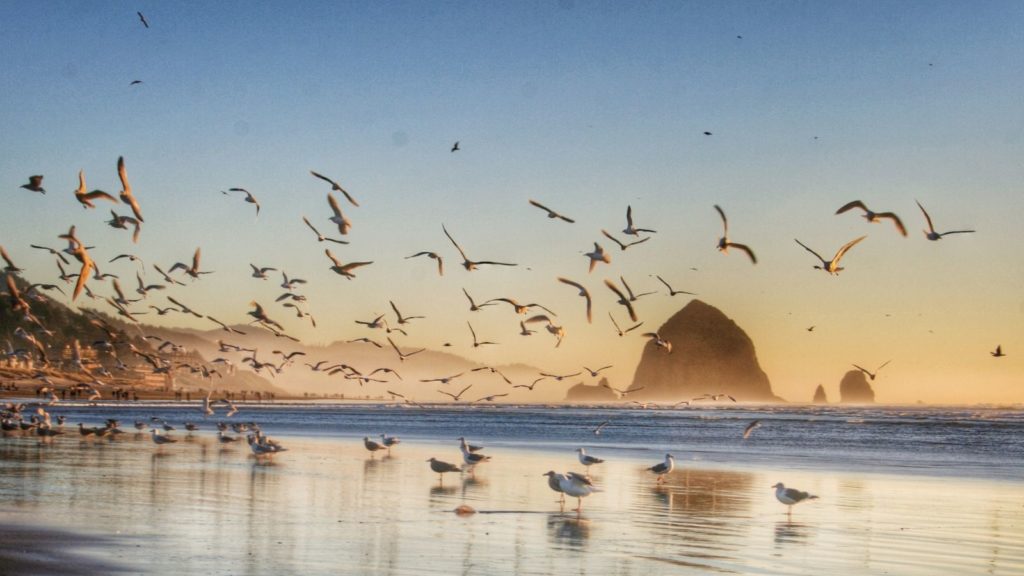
x=126, y=190
x=551, y=213
x=192, y=270
x=432, y=256
x=630, y=229
x=671, y=291
x=86, y=198
x=874, y=216
x=336, y=187
x=344, y=269
x=870, y=374
x=468, y=264
x=320, y=237
x=456, y=397
x=620, y=330
x=724, y=244
x=623, y=246
x=583, y=293
x=622, y=299
x=35, y=184
x=930, y=233
x=248, y=197
x=344, y=224
x=832, y=266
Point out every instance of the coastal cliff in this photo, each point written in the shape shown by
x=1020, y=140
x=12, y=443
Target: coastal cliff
x=710, y=354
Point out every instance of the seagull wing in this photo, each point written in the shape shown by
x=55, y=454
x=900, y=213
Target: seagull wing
x=846, y=247
x=895, y=220
x=332, y=257
x=811, y=251
x=926, y=217
x=851, y=206
x=746, y=249
x=456, y=244
x=613, y=239
x=725, y=222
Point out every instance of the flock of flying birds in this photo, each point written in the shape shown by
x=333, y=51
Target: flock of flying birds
x=531, y=313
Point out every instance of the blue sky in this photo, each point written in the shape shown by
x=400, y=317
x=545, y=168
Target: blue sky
x=584, y=106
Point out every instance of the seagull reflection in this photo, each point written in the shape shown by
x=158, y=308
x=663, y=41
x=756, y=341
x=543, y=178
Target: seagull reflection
x=569, y=531
x=791, y=533
x=442, y=490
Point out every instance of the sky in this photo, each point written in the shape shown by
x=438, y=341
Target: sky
x=587, y=107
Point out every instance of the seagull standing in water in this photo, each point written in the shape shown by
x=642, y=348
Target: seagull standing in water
x=555, y=483
x=441, y=467
x=588, y=460
x=791, y=496
x=578, y=486
x=664, y=468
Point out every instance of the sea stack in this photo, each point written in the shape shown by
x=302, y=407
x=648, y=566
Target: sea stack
x=710, y=355
x=854, y=389
x=819, y=395
x=583, y=393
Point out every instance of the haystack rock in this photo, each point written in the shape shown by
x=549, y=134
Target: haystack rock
x=710, y=355
x=583, y=393
x=819, y=395
x=854, y=389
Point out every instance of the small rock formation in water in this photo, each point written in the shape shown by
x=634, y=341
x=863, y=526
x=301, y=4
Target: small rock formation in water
x=710, y=355
x=854, y=389
x=583, y=393
x=819, y=395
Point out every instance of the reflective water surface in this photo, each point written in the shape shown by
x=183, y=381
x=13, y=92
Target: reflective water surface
x=327, y=506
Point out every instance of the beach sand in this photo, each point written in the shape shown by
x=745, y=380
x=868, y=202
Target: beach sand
x=327, y=506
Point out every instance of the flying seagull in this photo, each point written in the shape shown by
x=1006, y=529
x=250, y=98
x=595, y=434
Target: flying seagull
x=869, y=374
x=930, y=233
x=671, y=291
x=143, y=19
x=622, y=299
x=998, y=352
x=320, y=237
x=874, y=216
x=336, y=187
x=344, y=224
x=630, y=229
x=468, y=264
x=583, y=292
x=619, y=242
x=724, y=244
x=35, y=184
x=598, y=255
x=750, y=428
x=344, y=269
x=86, y=198
x=551, y=213
x=832, y=267
x=455, y=147
x=432, y=256
x=248, y=197
x=126, y=190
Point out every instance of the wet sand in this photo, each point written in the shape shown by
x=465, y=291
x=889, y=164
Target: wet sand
x=326, y=507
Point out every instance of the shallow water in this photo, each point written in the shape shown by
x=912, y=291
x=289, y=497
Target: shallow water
x=327, y=506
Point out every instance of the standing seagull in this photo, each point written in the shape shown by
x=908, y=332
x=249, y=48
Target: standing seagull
x=577, y=485
x=126, y=190
x=371, y=445
x=791, y=496
x=874, y=216
x=930, y=233
x=832, y=267
x=555, y=483
x=664, y=468
x=724, y=244
x=588, y=460
x=551, y=213
x=442, y=467
x=336, y=187
x=35, y=184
